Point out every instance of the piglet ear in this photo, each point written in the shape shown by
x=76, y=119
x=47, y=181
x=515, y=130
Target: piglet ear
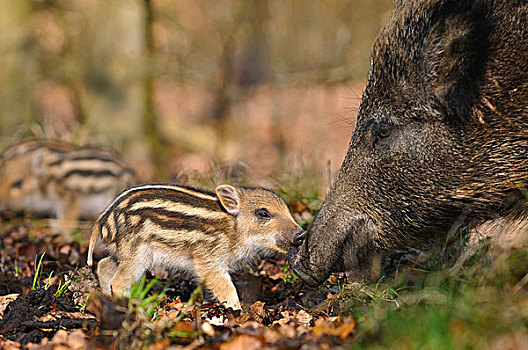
x=37, y=163
x=229, y=198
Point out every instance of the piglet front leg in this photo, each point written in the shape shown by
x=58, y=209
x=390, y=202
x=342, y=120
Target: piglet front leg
x=218, y=281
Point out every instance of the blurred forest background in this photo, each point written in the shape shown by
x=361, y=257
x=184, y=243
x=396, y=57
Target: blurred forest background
x=183, y=86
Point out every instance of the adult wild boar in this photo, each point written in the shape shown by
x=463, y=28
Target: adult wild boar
x=441, y=135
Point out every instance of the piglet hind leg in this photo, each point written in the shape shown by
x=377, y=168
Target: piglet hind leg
x=127, y=273
x=219, y=282
x=106, y=269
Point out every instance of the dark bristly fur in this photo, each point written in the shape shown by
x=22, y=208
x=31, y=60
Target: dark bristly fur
x=179, y=227
x=441, y=138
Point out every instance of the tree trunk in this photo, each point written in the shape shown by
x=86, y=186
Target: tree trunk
x=150, y=123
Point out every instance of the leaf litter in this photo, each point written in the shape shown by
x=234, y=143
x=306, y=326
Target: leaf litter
x=50, y=299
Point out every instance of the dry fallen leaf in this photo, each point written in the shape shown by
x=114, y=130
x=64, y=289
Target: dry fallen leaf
x=287, y=316
x=288, y=331
x=60, y=337
x=77, y=339
x=323, y=327
x=183, y=326
x=9, y=345
x=243, y=342
x=303, y=318
x=5, y=300
x=258, y=312
x=243, y=318
x=169, y=315
x=258, y=330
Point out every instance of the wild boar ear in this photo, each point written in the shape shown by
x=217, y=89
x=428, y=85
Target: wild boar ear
x=229, y=198
x=456, y=54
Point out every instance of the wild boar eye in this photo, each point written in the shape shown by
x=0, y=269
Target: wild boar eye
x=262, y=213
x=382, y=131
x=385, y=131
x=17, y=184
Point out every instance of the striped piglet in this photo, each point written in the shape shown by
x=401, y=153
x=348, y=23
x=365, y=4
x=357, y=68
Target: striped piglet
x=182, y=228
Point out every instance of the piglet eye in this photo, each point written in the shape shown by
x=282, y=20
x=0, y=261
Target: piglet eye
x=262, y=213
x=17, y=184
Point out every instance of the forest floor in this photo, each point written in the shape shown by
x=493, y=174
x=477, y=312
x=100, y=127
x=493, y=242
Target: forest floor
x=471, y=296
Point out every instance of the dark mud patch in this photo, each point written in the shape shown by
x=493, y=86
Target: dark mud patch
x=9, y=284
x=24, y=320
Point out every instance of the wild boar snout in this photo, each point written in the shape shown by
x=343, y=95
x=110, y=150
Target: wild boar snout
x=340, y=238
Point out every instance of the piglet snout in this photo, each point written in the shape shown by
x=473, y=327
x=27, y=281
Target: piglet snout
x=299, y=237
